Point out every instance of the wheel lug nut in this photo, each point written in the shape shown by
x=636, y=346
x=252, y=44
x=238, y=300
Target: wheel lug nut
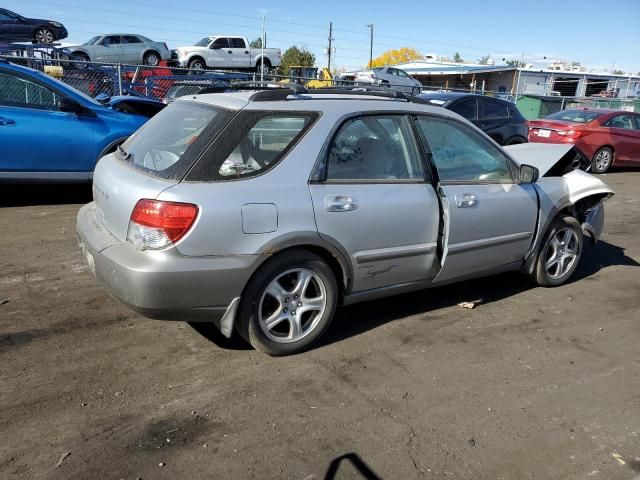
x=286, y=300
x=296, y=296
x=299, y=304
x=285, y=310
x=293, y=312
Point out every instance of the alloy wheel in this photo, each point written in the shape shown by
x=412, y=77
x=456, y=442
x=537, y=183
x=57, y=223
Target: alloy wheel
x=292, y=305
x=602, y=160
x=44, y=36
x=561, y=253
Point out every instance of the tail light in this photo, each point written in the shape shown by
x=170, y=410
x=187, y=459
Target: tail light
x=570, y=133
x=156, y=224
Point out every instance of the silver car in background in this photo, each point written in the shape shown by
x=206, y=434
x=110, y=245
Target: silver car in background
x=127, y=48
x=389, y=77
x=263, y=211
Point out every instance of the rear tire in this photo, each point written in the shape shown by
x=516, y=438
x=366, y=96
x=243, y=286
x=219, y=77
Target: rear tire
x=288, y=304
x=266, y=66
x=602, y=160
x=515, y=141
x=559, y=253
x=43, y=35
x=415, y=91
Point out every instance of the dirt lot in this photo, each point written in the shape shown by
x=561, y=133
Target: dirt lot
x=533, y=383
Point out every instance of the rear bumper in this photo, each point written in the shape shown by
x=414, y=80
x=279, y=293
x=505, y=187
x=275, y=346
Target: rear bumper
x=165, y=285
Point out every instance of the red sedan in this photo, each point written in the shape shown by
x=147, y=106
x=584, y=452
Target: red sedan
x=607, y=137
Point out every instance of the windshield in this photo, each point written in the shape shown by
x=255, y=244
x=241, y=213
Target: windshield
x=92, y=40
x=377, y=69
x=203, y=43
x=168, y=144
x=574, y=116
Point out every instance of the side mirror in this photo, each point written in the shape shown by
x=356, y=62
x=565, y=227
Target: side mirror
x=69, y=105
x=528, y=174
x=215, y=47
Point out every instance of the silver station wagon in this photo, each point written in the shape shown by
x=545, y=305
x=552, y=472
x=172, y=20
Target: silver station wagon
x=263, y=210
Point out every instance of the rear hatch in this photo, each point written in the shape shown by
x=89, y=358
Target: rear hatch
x=155, y=158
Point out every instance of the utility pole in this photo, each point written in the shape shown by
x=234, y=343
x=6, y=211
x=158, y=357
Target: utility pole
x=330, y=47
x=370, y=25
x=264, y=40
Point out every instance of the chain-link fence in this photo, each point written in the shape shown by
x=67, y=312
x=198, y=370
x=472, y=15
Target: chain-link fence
x=166, y=83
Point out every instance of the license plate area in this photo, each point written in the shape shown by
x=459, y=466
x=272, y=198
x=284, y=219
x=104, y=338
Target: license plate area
x=544, y=133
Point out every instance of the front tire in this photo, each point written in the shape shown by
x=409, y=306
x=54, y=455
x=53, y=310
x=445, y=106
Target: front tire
x=560, y=252
x=602, y=160
x=43, y=35
x=288, y=304
x=197, y=65
x=415, y=91
x=151, y=59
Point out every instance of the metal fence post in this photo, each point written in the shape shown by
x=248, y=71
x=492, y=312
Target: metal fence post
x=562, y=104
x=119, y=70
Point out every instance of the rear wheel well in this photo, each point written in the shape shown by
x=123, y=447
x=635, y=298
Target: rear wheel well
x=340, y=272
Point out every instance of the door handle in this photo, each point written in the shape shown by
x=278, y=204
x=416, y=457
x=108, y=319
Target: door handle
x=229, y=52
x=340, y=203
x=7, y=121
x=247, y=52
x=466, y=200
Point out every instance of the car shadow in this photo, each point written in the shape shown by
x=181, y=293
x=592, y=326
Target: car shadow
x=357, y=319
x=26, y=195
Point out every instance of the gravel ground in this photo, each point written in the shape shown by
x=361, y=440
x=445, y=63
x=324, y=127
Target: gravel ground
x=532, y=383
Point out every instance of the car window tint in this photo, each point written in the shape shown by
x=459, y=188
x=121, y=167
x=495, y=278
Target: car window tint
x=494, y=109
x=19, y=92
x=621, y=121
x=514, y=112
x=237, y=43
x=111, y=40
x=221, y=42
x=401, y=73
x=131, y=39
x=5, y=17
x=374, y=148
x=468, y=108
x=253, y=143
x=462, y=155
x=637, y=120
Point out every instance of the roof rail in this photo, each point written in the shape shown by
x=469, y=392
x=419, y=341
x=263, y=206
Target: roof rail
x=371, y=91
x=265, y=85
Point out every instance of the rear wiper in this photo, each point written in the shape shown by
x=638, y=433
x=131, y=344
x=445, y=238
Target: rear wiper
x=123, y=153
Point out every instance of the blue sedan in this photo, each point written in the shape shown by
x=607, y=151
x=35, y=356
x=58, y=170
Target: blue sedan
x=51, y=132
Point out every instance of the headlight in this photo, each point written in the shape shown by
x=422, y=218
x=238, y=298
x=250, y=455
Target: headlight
x=56, y=24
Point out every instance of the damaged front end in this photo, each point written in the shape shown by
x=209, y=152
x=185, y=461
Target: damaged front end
x=564, y=186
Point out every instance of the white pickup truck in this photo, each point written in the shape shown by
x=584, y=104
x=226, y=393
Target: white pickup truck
x=220, y=51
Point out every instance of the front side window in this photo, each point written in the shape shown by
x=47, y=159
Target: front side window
x=494, y=109
x=16, y=91
x=467, y=108
x=220, y=43
x=462, y=155
x=111, y=40
x=621, y=121
x=168, y=144
x=5, y=17
x=375, y=148
x=253, y=143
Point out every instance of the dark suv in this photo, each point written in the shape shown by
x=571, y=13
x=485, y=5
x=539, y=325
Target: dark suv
x=499, y=119
x=16, y=28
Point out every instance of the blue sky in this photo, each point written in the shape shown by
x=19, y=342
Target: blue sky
x=597, y=34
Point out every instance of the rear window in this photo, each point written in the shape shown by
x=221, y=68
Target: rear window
x=169, y=144
x=575, y=116
x=253, y=143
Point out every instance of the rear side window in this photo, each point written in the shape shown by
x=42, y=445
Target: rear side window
x=253, y=143
x=494, y=109
x=467, y=108
x=379, y=148
x=237, y=43
x=131, y=39
x=16, y=91
x=168, y=144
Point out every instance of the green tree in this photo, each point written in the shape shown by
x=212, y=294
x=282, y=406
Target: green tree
x=457, y=58
x=256, y=43
x=294, y=56
x=618, y=72
x=515, y=63
x=484, y=60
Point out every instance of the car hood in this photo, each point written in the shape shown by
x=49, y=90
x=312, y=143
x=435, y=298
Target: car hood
x=190, y=49
x=550, y=159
